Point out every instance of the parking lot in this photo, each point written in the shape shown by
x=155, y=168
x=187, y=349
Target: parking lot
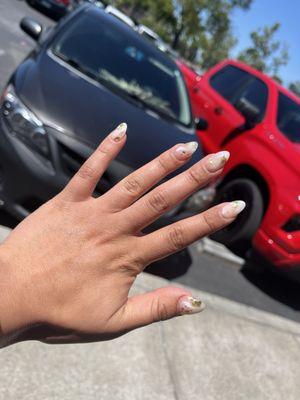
x=196, y=267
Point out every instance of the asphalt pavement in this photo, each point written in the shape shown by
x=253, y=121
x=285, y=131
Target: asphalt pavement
x=194, y=267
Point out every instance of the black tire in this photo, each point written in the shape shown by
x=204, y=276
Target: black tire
x=238, y=236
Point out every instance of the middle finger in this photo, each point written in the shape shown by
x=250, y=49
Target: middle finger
x=164, y=197
x=131, y=188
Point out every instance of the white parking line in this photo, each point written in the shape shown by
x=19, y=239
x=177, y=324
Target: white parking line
x=216, y=249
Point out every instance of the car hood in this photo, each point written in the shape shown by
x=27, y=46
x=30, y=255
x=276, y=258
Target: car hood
x=77, y=106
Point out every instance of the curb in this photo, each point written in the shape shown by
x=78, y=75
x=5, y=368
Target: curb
x=207, y=245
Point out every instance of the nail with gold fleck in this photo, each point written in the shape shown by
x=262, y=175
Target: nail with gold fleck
x=190, y=305
x=119, y=132
x=231, y=210
x=217, y=161
x=184, y=151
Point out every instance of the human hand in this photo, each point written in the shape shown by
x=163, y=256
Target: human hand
x=67, y=269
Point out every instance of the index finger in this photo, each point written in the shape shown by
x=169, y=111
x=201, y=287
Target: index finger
x=83, y=183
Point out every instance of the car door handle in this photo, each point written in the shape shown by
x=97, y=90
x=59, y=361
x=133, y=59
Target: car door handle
x=218, y=110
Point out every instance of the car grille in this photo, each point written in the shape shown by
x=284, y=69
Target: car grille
x=71, y=161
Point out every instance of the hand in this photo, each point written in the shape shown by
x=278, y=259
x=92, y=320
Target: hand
x=67, y=269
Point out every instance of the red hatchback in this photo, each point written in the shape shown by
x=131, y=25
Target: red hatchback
x=247, y=113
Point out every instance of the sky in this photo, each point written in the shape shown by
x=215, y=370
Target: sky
x=266, y=12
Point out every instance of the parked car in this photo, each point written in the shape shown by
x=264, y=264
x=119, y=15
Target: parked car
x=85, y=76
x=120, y=15
x=258, y=121
x=56, y=9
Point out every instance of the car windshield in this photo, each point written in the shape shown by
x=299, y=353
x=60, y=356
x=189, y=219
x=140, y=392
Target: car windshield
x=288, y=118
x=99, y=46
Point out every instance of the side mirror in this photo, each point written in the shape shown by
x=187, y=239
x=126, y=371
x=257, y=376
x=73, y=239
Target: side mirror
x=31, y=27
x=201, y=124
x=248, y=110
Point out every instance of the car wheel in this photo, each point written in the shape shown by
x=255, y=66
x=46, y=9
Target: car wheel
x=238, y=236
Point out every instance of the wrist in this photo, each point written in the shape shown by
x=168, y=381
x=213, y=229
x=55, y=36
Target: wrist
x=12, y=322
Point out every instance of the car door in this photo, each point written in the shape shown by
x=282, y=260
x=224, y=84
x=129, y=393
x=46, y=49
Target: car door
x=213, y=97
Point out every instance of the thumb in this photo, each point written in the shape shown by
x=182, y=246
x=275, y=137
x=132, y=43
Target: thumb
x=159, y=305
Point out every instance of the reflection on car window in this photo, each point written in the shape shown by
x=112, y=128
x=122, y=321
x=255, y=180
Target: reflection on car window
x=235, y=84
x=122, y=61
x=288, y=118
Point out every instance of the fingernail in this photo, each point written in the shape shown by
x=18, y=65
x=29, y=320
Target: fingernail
x=119, y=132
x=217, y=161
x=232, y=209
x=186, y=150
x=190, y=305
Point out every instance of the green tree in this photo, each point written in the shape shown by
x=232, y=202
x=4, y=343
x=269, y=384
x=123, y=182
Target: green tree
x=199, y=29
x=295, y=87
x=266, y=53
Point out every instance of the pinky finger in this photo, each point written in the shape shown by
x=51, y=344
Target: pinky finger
x=179, y=235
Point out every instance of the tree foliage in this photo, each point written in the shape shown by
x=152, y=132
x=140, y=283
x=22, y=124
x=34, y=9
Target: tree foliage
x=266, y=53
x=295, y=87
x=199, y=29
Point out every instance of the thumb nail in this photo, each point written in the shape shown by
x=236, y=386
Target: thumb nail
x=190, y=305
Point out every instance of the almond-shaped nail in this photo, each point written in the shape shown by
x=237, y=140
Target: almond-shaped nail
x=119, y=132
x=184, y=151
x=190, y=305
x=217, y=161
x=231, y=210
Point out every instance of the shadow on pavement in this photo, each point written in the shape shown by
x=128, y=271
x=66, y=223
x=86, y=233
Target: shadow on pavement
x=171, y=267
x=274, y=285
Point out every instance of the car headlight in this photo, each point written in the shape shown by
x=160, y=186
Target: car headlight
x=22, y=123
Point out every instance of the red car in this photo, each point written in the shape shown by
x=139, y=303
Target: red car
x=247, y=113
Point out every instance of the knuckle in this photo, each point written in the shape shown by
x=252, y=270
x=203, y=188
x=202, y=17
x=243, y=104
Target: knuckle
x=159, y=311
x=86, y=171
x=163, y=165
x=133, y=186
x=209, y=222
x=176, y=238
x=194, y=176
x=158, y=202
x=103, y=149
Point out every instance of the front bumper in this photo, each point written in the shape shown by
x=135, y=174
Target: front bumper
x=278, y=246
x=27, y=180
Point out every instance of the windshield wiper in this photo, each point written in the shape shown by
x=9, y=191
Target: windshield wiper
x=137, y=99
x=75, y=64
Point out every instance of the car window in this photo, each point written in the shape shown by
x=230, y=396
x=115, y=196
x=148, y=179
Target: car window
x=228, y=81
x=288, y=118
x=101, y=48
x=237, y=86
